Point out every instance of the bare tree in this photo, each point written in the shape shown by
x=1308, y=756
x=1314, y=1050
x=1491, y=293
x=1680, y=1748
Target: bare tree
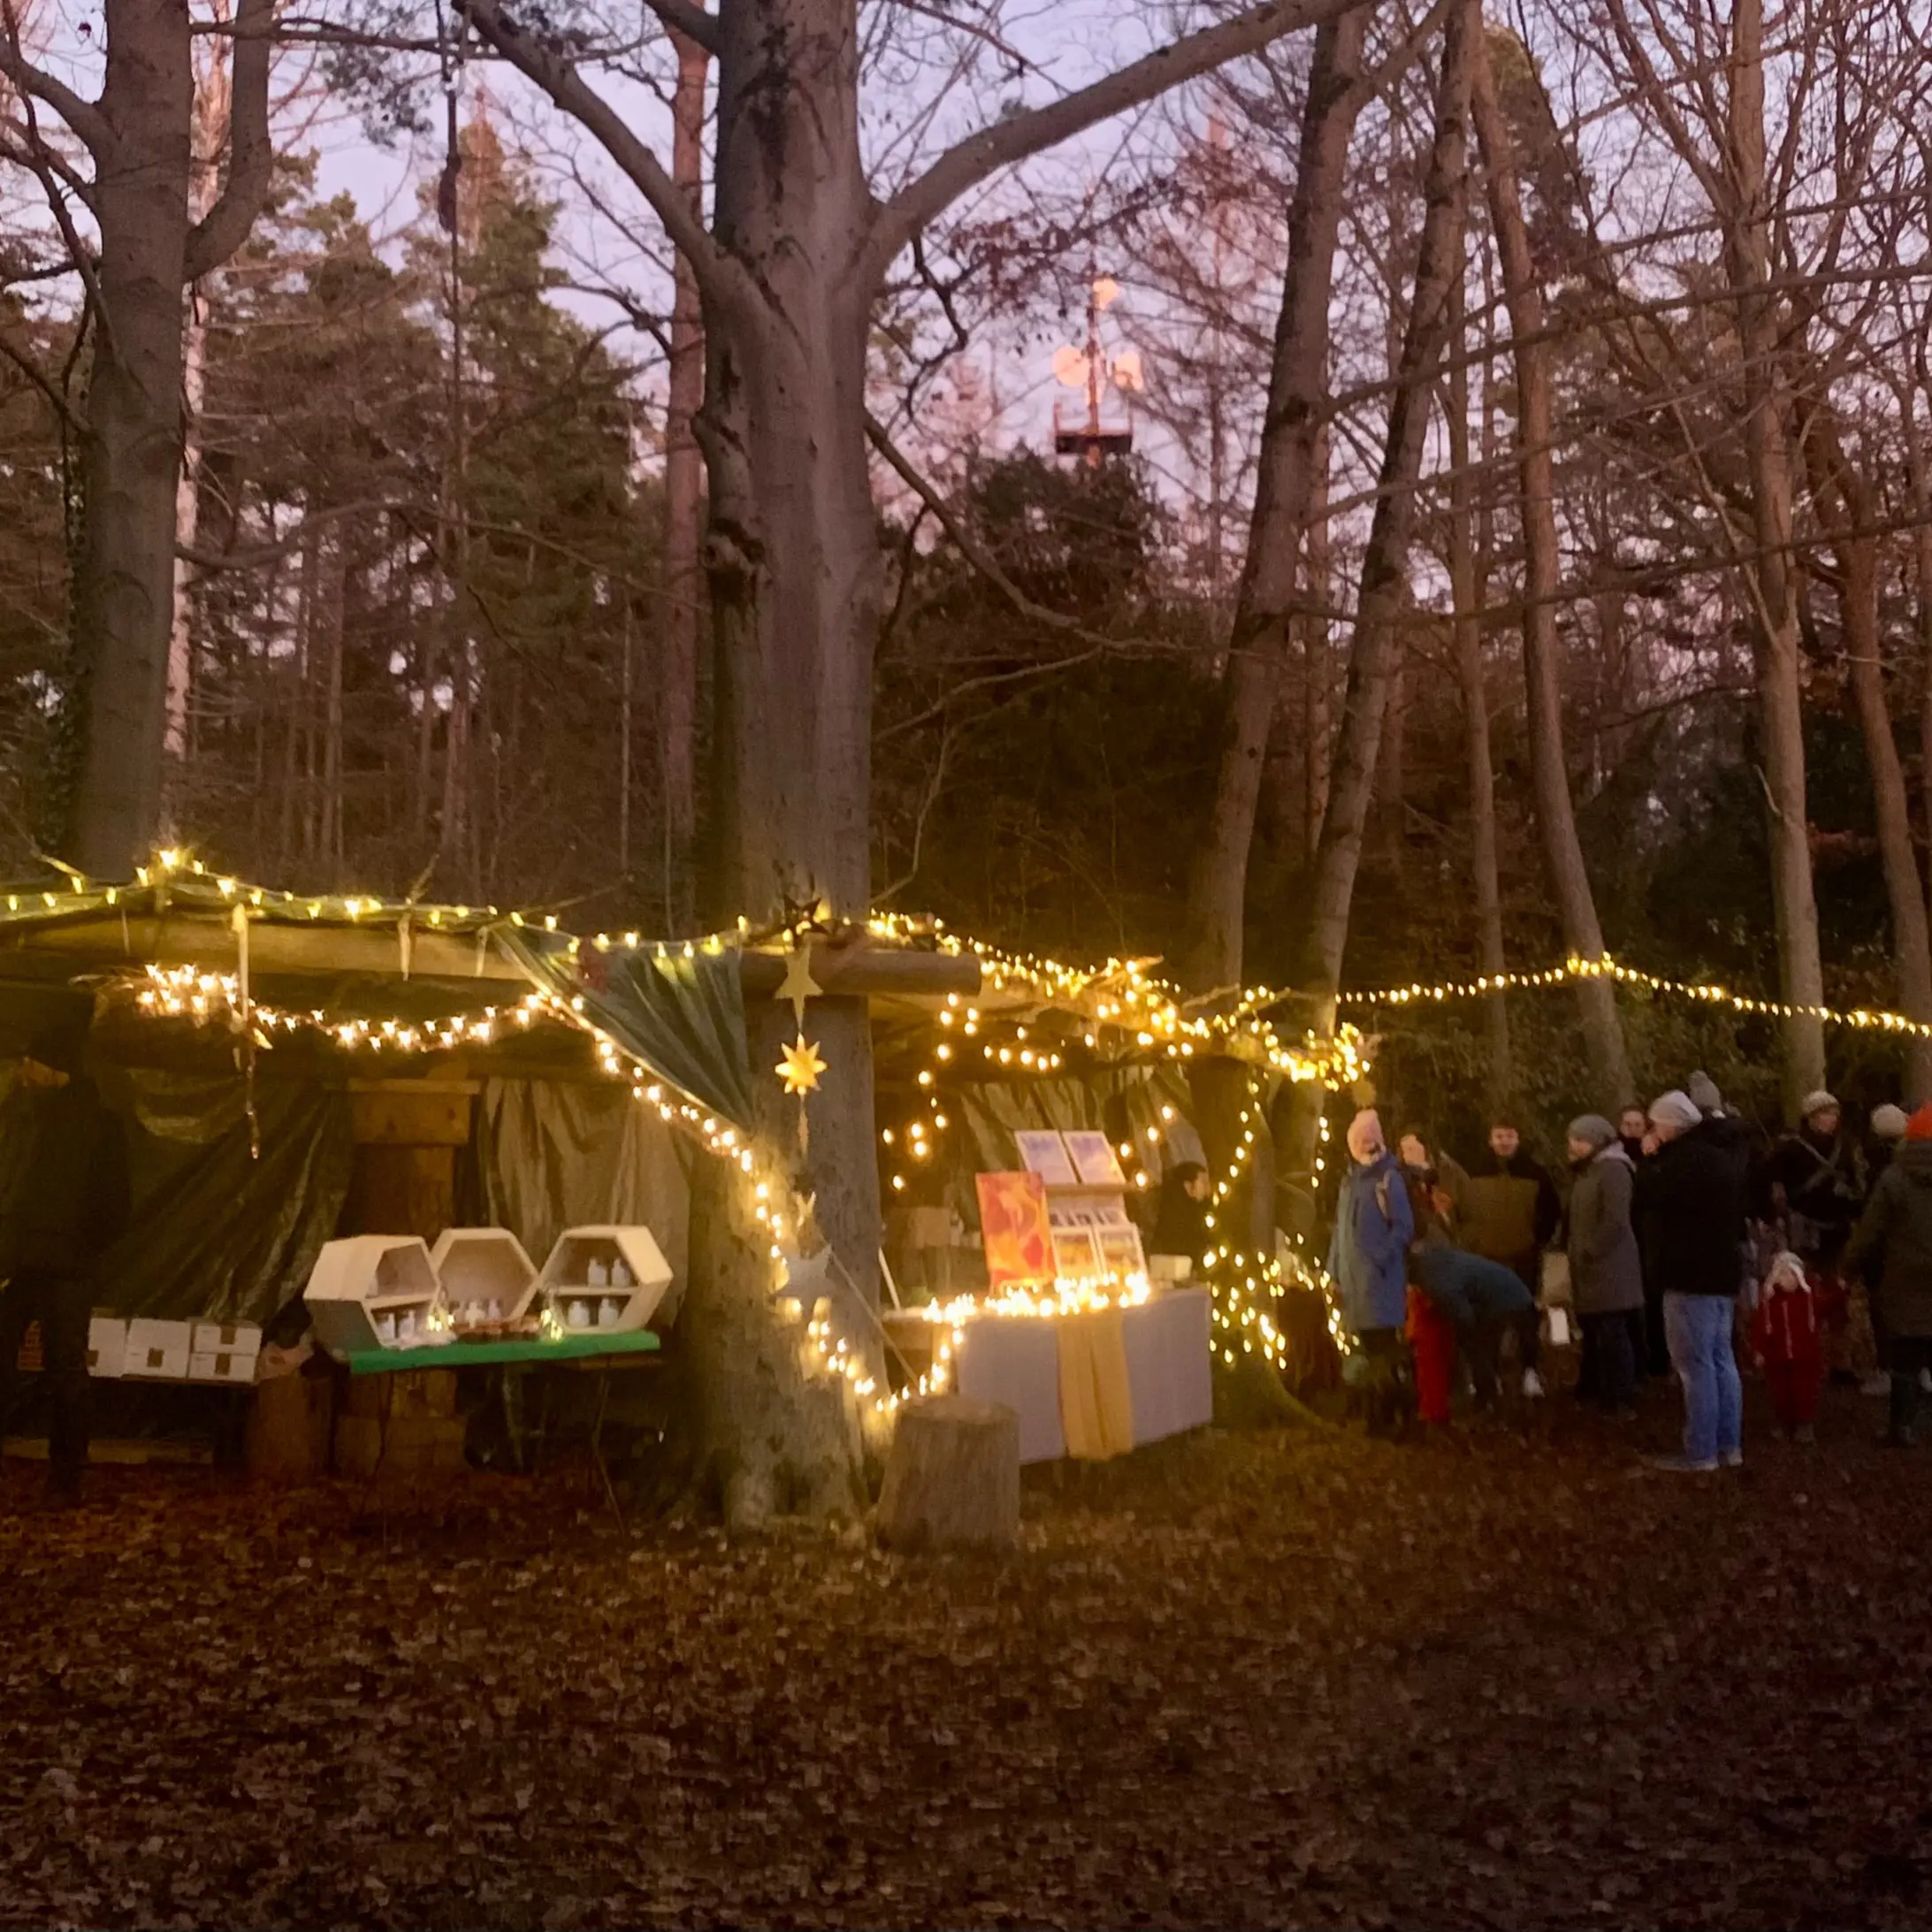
x=1285, y=482
x=1542, y=656
x=138, y=139
x=788, y=272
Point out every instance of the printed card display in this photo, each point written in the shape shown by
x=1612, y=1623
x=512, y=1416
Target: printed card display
x=1094, y=1161
x=1013, y=1228
x=1043, y=1152
x=1076, y=1254
x=1120, y=1249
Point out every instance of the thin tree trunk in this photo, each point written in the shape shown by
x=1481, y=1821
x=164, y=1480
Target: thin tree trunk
x=1467, y=631
x=1298, y=382
x=1385, y=561
x=1393, y=776
x=1919, y=480
x=210, y=142
x=1748, y=264
x=683, y=506
x=1542, y=654
x=335, y=618
x=1840, y=486
x=1318, y=581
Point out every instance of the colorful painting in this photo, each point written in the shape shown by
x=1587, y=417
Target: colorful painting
x=1013, y=1228
x=1043, y=1152
x=1093, y=1159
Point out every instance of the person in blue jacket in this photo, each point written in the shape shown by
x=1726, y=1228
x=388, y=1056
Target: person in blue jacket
x=1367, y=1259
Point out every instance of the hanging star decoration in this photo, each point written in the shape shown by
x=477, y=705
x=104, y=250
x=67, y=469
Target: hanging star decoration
x=800, y=1067
x=799, y=986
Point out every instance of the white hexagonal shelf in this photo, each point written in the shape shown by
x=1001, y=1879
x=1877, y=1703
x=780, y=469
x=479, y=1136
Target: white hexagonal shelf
x=609, y=1278
x=372, y=1291
x=484, y=1273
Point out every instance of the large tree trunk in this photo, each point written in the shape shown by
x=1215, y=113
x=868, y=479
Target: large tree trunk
x=1747, y=260
x=1318, y=586
x=795, y=578
x=1385, y=564
x=131, y=456
x=1284, y=486
x=1542, y=657
x=1467, y=627
x=683, y=506
x=1836, y=478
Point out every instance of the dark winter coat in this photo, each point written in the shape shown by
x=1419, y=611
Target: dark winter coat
x=1606, y=1269
x=1690, y=1199
x=1468, y=1288
x=63, y=1180
x=1508, y=1211
x=1891, y=1247
x=1374, y=1228
x=1822, y=1183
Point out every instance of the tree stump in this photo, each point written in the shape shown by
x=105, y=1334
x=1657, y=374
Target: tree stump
x=952, y=1480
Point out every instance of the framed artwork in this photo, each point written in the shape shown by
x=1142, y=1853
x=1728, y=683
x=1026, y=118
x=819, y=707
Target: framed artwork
x=1043, y=1152
x=1013, y=1228
x=1093, y=1159
x=1076, y=1254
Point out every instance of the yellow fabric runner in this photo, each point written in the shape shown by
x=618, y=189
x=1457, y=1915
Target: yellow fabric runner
x=1097, y=1407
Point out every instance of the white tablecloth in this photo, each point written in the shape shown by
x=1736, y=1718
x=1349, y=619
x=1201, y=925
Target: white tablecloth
x=1016, y=1361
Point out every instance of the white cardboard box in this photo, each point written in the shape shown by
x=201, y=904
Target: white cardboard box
x=227, y=1337
x=476, y=1267
x=221, y=1366
x=358, y=1281
x=613, y=1306
x=158, y=1351
x=107, y=1344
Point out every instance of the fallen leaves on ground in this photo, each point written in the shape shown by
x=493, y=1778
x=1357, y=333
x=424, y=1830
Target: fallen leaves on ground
x=1495, y=1679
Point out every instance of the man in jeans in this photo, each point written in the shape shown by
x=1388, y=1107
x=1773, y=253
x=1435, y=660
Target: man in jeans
x=1692, y=1195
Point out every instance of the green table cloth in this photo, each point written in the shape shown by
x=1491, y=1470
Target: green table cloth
x=472, y=1355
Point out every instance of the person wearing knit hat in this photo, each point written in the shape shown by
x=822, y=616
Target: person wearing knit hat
x=1606, y=1272
x=1691, y=1196
x=1890, y=1121
x=1702, y=1092
x=1891, y=1252
x=1816, y=1181
x=1367, y=1260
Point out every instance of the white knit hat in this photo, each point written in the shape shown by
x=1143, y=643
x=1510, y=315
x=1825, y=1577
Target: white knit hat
x=1889, y=1122
x=1674, y=1110
x=1816, y=1101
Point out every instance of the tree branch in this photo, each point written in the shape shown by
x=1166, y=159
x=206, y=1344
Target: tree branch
x=542, y=63
x=968, y=164
x=87, y=121
x=251, y=149
x=682, y=16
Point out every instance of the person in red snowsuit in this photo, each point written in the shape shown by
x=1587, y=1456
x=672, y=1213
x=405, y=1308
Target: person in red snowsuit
x=1786, y=1339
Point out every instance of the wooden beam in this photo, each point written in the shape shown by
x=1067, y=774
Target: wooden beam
x=870, y=971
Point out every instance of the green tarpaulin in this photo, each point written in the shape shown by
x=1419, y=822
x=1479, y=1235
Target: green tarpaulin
x=682, y=1015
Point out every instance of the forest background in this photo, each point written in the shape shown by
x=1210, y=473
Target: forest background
x=439, y=618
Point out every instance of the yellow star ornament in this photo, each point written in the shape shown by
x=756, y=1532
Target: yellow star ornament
x=801, y=1066
x=799, y=986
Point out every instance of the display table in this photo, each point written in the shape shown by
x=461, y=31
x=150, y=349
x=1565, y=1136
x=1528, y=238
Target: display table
x=599, y=1353
x=591, y=1347
x=1017, y=1360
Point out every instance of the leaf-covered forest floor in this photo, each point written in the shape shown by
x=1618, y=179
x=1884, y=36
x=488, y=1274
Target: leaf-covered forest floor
x=1496, y=1679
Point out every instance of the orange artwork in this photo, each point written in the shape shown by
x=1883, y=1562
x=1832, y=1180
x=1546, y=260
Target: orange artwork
x=1013, y=1227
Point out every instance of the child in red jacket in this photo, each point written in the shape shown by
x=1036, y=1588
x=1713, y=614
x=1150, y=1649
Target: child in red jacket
x=1785, y=1341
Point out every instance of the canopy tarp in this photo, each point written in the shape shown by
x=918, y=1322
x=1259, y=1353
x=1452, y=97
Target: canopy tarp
x=682, y=1014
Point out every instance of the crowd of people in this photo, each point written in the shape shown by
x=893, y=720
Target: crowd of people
x=1680, y=1239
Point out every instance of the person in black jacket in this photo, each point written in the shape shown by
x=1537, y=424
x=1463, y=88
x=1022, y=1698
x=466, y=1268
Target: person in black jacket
x=63, y=1200
x=1692, y=1195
